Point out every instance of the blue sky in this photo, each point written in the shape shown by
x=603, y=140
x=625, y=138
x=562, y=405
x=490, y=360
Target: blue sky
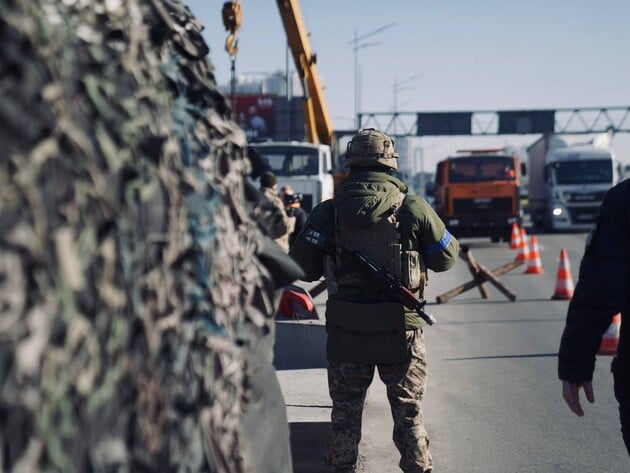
x=467, y=55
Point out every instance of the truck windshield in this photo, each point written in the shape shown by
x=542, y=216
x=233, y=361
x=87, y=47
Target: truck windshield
x=481, y=169
x=290, y=160
x=583, y=172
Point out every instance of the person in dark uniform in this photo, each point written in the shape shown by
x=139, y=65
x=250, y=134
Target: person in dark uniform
x=293, y=206
x=602, y=290
x=373, y=213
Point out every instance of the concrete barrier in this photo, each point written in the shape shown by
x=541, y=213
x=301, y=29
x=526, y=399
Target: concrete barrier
x=300, y=344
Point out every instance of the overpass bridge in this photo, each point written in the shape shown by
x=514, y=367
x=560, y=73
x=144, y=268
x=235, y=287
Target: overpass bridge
x=561, y=121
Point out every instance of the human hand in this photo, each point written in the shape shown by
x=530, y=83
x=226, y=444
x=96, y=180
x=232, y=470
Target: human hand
x=571, y=395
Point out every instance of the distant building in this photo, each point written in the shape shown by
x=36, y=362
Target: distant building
x=265, y=83
x=412, y=168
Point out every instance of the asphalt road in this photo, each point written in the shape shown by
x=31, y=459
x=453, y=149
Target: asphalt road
x=493, y=402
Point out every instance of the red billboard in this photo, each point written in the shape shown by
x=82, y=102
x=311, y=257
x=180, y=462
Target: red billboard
x=254, y=113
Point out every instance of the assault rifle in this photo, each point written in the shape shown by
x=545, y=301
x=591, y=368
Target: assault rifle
x=386, y=280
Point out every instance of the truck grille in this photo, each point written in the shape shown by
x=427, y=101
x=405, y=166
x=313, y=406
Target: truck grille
x=482, y=205
x=584, y=196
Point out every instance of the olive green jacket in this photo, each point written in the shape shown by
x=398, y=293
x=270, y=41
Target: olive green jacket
x=364, y=196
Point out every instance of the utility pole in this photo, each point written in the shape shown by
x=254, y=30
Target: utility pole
x=358, y=43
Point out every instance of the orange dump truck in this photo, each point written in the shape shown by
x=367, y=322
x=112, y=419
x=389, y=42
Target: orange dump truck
x=477, y=193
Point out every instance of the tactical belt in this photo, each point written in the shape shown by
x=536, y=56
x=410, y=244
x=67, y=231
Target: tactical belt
x=366, y=333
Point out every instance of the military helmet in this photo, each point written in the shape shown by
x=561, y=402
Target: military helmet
x=370, y=147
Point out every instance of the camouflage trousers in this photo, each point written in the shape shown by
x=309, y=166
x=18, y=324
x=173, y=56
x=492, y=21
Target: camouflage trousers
x=406, y=383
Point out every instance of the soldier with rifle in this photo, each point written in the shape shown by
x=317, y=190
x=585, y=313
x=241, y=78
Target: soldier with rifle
x=374, y=243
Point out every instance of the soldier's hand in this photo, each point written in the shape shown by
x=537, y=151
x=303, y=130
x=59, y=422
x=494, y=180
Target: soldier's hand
x=571, y=395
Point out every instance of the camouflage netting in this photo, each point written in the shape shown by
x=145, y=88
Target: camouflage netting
x=135, y=312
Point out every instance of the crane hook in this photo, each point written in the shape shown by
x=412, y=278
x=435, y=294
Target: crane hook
x=232, y=18
x=231, y=44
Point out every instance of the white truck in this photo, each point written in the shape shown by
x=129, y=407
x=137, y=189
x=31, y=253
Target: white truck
x=566, y=184
x=306, y=167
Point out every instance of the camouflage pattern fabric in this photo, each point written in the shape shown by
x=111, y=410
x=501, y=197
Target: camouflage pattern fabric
x=406, y=383
x=135, y=310
x=274, y=218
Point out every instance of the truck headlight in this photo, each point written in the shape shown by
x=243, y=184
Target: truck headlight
x=557, y=211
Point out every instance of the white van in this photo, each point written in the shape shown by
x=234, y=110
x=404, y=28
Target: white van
x=306, y=167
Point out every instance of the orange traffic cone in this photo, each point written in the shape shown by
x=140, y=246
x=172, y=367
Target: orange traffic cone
x=610, y=340
x=535, y=265
x=515, y=239
x=523, y=251
x=564, y=281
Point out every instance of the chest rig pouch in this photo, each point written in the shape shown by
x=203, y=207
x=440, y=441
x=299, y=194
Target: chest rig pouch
x=368, y=329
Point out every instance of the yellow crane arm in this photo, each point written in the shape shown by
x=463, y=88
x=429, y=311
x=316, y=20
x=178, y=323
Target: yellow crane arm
x=318, y=123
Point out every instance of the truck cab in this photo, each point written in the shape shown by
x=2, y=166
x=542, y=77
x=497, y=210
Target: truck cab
x=477, y=193
x=577, y=178
x=306, y=167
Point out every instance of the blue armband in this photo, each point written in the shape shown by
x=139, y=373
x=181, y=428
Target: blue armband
x=438, y=246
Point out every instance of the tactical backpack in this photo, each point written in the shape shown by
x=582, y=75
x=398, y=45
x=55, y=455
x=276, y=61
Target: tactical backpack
x=369, y=330
x=380, y=243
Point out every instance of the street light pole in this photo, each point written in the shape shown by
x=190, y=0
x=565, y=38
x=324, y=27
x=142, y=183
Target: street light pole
x=356, y=75
x=400, y=85
x=356, y=45
x=288, y=93
x=419, y=156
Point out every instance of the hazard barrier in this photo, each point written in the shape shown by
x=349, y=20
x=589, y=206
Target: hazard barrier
x=481, y=275
x=564, y=281
x=610, y=340
x=296, y=303
x=535, y=265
